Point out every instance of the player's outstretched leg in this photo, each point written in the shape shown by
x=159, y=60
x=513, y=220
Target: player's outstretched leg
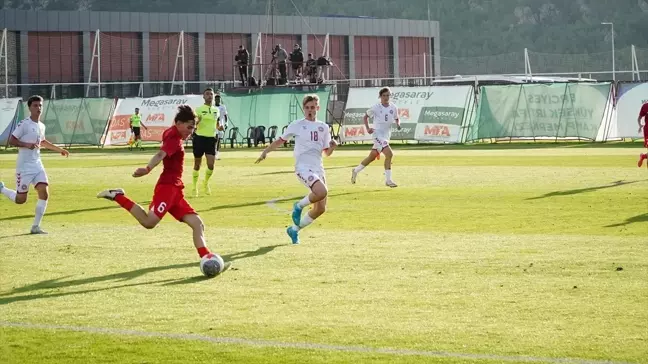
x=11, y=194
x=365, y=162
x=318, y=194
x=147, y=220
x=198, y=227
x=389, y=154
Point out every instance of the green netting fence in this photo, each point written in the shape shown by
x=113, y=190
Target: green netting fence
x=271, y=106
x=537, y=111
x=74, y=121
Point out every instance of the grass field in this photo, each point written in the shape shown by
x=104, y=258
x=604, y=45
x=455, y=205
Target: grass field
x=482, y=255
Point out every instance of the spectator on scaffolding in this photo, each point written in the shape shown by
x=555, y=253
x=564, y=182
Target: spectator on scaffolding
x=281, y=57
x=297, y=61
x=242, y=57
x=311, y=69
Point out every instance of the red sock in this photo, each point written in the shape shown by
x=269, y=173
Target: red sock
x=124, y=202
x=203, y=251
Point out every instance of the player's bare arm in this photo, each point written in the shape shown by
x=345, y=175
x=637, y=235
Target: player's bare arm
x=45, y=143
x=366, y=124
x=332, y=145
x=639, y=122
x=157, y=158
x=14, y=142
x=273, y=146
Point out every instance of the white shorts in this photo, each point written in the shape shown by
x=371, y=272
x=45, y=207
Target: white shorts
x=380, y=143
x=221, y=134
x=308, y=176
x=25, y=179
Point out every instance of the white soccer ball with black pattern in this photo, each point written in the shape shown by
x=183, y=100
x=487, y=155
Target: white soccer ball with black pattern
x=212, y=265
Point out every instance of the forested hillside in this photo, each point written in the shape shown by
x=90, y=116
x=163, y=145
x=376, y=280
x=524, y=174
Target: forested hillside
x=469, y=27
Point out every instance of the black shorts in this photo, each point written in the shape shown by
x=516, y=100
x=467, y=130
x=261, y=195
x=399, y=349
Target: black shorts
x=136, y=131
x=203, y=146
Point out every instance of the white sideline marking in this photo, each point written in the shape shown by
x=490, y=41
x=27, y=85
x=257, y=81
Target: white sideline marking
x=306, y=346
x=273, y=203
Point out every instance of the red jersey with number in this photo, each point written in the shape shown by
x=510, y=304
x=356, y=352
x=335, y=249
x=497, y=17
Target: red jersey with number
x=174, y=161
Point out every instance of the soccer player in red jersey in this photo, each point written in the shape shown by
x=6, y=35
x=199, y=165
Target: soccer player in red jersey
x=169, y=194
x=643, y=114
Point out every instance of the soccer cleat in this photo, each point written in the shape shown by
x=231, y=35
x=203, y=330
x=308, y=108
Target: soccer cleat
x=294, y=235
x=391, y=184
x=207, y=189
x=642, y=158
x=296, y=214
x=111, y=194
x=354, y=176
x=36, y=230
x=194, y=192
x=1, y=185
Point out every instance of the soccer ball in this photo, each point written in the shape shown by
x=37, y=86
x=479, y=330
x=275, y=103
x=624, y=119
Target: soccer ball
x=212, y=265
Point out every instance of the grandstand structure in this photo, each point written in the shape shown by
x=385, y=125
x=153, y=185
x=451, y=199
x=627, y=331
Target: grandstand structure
x=65, y=54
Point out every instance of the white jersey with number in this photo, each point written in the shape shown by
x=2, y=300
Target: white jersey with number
x=223, y=114
x=33, y=132
x=311, y=138
x=383, y=118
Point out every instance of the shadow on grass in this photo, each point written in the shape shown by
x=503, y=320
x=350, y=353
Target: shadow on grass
x=292, y=171
x=61, y=283
x=631, y=220
x=259, y=203
x=583, y=190
x=68, y=212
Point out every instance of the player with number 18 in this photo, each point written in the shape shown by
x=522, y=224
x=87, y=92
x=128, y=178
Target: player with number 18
x=312, y=137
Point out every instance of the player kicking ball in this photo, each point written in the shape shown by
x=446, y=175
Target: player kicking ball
x=384, y=114
x=29, y=137
x=312, y=137
x=168, y=195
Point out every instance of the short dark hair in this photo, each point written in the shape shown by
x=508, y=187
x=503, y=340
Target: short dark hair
x=34, y=99
x=185, y=114
x=383, y=90
x=208, y=89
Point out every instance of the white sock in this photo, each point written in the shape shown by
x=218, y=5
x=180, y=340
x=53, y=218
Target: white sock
x=359, y=168
x=305, y=221
x=41, y=206
x=11, y=194
x=304, y=202
x=388, y=175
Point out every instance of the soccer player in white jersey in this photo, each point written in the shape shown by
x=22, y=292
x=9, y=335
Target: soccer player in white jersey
x=384, y=114
x=312, y=137
x=29, y=137
x=222, y=124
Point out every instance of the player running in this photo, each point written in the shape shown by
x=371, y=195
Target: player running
x=383, y=114
x=222, y=123
x=168, y=195
x=204, y=141
x=29, y=137
x=643, y=114
x=311, y=138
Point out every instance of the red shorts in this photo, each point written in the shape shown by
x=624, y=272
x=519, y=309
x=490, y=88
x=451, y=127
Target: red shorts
x=170, y=198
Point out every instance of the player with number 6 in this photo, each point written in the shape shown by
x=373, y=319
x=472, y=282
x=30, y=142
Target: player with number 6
x=169, y=190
